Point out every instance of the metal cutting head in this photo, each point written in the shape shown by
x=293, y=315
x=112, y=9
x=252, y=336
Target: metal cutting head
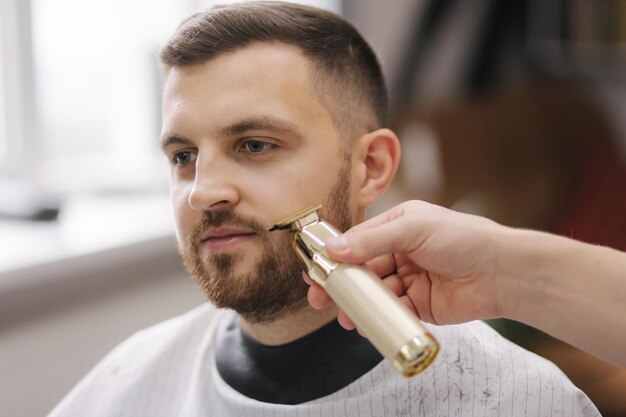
x=286, y=223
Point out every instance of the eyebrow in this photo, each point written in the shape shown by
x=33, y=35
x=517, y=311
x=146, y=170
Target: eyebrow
x=267, y=123
x=173, y=139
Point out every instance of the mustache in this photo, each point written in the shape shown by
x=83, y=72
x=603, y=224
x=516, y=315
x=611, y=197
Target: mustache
x=217, y=218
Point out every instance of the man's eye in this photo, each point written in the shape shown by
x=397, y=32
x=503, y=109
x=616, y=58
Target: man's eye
x=256, y=146
x=183, y=158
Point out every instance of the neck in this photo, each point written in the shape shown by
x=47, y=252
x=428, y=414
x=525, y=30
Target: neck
x=289, y=327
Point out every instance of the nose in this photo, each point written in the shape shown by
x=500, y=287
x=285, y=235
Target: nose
x=213, y=188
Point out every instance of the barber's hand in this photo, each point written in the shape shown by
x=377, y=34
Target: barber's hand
x=441, y=263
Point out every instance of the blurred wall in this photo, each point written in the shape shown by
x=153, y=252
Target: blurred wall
x=46, y=348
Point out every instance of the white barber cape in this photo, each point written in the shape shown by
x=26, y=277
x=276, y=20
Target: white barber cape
x=169, y=370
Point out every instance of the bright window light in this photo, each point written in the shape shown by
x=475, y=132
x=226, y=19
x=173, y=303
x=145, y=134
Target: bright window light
x=98, y=90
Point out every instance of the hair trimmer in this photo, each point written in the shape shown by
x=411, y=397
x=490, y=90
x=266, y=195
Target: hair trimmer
x=393, y=330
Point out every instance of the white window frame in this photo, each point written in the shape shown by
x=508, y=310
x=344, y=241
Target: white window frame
x=18, y=115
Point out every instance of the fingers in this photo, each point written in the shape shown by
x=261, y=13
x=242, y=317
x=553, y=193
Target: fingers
x=348, y=324
x=382, y=218
x=345, y=321
x=316, y=296
x=318, y=299
x=362, y=244
x=395, y=284
x=419, y=293
x=307, y=279
x=383, y=265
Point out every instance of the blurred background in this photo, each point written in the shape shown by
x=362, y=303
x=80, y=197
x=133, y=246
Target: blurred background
x=510, y=109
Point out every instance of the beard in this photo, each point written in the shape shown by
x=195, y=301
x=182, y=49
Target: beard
x=273, y=287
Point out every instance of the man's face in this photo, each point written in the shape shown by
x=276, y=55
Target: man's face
x=249, y=144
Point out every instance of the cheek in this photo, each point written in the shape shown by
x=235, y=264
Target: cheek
x=184, y=216
x=275, y=193
x=319, y=177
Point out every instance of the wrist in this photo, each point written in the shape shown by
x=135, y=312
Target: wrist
x=533, y=269
x=520, y=273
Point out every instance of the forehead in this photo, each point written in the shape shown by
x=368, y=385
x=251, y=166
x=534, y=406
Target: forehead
x=260, y=60
x=257, y=80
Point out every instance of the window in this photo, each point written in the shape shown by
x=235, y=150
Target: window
x=90, y=88
x=3, y=133
x=16, y=88
x=98, y=89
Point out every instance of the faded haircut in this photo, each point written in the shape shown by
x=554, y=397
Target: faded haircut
x=347, y=77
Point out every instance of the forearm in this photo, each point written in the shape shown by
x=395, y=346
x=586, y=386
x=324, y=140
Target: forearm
x=571, y=290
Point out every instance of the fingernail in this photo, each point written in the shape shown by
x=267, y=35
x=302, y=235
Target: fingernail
x=338, y=244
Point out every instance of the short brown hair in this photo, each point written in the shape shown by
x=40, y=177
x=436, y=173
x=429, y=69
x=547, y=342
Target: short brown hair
x=347, y=75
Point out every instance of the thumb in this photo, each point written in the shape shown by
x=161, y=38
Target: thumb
x=363, y=244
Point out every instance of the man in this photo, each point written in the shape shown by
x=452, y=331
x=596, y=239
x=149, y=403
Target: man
x=270, y=108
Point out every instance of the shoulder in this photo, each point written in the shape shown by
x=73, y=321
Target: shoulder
x=482, y=351
x=153, y=357
x=477, y=351
x=501, y=377
x=477, y=372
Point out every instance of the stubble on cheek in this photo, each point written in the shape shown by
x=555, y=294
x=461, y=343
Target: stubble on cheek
x=271, y=286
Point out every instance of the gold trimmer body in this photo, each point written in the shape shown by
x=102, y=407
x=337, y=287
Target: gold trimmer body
x=391, y=327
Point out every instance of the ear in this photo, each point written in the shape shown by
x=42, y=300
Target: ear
x=377, y=155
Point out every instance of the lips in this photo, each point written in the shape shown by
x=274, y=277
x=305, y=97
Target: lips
x=224, y=238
